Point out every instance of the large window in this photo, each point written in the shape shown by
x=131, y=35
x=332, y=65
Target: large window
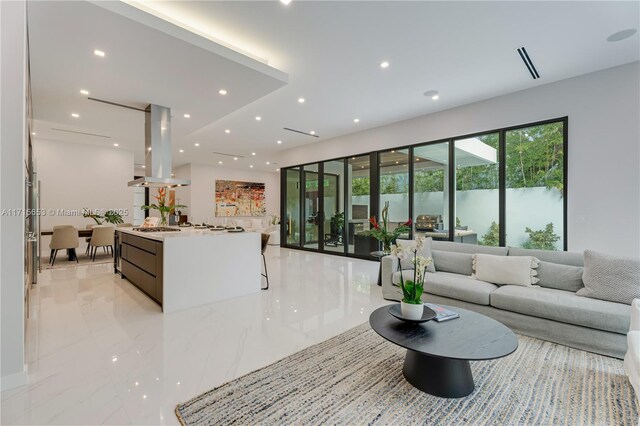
x=477, y=199
x=535, y=186
x=496, y=188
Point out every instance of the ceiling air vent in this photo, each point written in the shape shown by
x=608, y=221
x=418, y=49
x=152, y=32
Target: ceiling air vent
x=301, y=132
x=528, y=62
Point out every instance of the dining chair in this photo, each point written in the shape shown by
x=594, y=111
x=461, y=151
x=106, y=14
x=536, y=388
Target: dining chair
x=64, y=237
x=264, y=245
x=88, y=239
x=102, y=236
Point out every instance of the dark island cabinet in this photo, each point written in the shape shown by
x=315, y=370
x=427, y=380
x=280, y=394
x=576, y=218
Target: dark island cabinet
x=141, y=264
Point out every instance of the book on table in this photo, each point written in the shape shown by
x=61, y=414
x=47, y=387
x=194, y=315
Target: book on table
x=443, y=314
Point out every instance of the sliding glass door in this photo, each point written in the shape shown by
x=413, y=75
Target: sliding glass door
x=333, y=206
x=311, y=212
x=292, y=224
x=431, y=191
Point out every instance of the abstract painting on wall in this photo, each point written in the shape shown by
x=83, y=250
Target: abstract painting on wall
x=234, y=198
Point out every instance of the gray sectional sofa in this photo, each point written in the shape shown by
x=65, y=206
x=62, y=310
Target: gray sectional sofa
x=551, y=311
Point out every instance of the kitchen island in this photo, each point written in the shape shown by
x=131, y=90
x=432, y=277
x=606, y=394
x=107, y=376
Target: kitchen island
x=192, y=267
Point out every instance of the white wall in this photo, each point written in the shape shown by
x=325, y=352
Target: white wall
x=74, y=176
x=12, y=174
x=603, y=156
x=200, y=195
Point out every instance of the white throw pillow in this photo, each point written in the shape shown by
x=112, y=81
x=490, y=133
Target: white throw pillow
x=503, y=270
x=256, y=223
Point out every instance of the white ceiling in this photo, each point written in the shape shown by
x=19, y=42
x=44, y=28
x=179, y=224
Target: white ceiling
x=331, y=52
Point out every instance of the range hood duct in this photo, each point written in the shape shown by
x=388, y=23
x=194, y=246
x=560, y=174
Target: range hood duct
x=157, y=150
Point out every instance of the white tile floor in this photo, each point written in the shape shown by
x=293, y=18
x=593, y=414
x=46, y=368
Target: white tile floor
x=100, y=352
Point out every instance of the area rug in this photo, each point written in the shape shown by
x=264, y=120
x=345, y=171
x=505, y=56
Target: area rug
x=356, y=378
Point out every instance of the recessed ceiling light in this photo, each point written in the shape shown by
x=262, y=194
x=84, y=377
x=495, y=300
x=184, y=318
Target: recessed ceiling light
x=384, y=64
x=187, y=116
x=258, y=118
x=433, y=94
x=392, y=151
x=353, y=158
x=251, y=166
x=621, y=35
x=222, y=92
x=99, y=53
x=227, y=131
x=397, y=162
x=235, y=158
x=182, y=150
x=84, y=92
x=356, y=120
x=313, y=132
x=196, y=144
x=268, y=163
x=285, y=2
x=253, y=153
x=33, y=133
x=115, y=144
x=301, y=100
x=277, y=170
x=279, y=142
x=149, y=149
x=144, y=167
x=219, y=162
x=163, y=128
x=74, y=115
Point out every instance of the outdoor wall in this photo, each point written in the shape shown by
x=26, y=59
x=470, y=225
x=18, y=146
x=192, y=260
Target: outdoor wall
x=200, y=195
x=13, y=77
x=603, y=155
x=74, y=176
x=526, y=207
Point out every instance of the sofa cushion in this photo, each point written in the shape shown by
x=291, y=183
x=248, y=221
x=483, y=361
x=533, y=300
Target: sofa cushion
x=562, y=257
x=561, y=277
x=454, y=286
x=504, y=270
x=468, y=248
x=563, y=306
x=612, y=278
x=450, y=261
x=410, y=246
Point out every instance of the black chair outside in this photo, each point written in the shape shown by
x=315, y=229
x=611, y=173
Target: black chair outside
x=265, y=242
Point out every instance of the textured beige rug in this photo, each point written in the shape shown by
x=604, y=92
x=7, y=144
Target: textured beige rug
x=356, y=378
x=63, y=262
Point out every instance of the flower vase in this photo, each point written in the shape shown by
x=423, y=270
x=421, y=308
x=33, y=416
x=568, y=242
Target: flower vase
x=386, y=247
x=411, y=311
x=163, y=219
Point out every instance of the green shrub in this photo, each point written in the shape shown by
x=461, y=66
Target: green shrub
x=491, y=238
x=543, y=239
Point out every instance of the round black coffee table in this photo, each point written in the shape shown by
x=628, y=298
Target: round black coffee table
x=438, y=353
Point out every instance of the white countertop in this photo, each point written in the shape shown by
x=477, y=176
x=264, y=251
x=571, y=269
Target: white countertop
x=183, y=233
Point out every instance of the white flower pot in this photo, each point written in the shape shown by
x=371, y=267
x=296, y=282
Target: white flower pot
x=411, y=311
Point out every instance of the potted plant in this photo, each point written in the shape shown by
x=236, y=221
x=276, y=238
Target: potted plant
x=337, y=223
x=110, y=216
x=380, y=231
x=411, y=305
x=161, y=206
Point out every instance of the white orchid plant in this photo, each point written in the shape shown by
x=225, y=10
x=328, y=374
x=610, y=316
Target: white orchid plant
x=412, y=289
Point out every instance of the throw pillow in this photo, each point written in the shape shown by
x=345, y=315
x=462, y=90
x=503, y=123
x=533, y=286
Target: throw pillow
x=426, y=252
x=503, y=270
x=612, y=278
x=451, y=261
x=560, y=277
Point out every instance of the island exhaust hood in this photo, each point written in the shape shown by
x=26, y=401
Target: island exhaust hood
x=157, y=150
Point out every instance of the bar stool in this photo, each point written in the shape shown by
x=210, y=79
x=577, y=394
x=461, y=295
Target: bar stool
x=265, y=243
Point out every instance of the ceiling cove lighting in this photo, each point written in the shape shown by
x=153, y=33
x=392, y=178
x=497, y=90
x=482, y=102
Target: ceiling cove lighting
x=84, y=92
x=301, y=100
x=99, y=53
x=187, y=116
x=384, y=64
x=621, y=35
x=222, y=92
x=74, y=115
